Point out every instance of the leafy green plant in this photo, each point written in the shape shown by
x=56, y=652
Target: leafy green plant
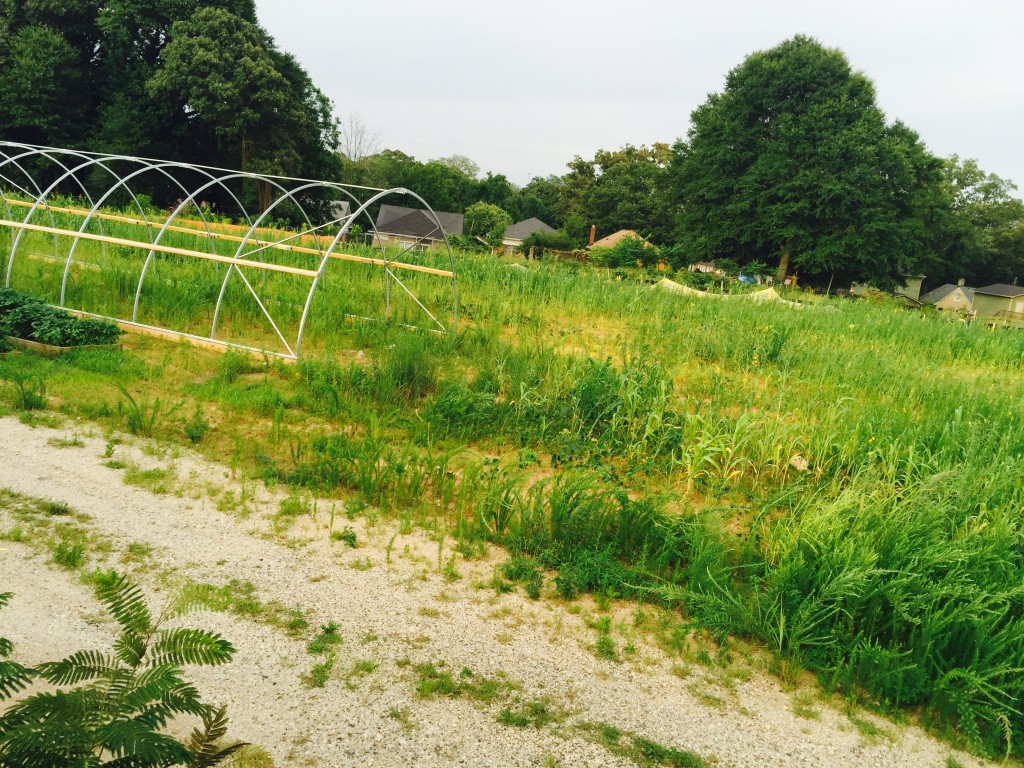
x=30, y=389
x=197, y=426
x=327, y=638
x=536, y=712
x=320, y=672
x=346, y=535
x=112, y=709
x=69, y=552
x=27, y=317
x=142, y=417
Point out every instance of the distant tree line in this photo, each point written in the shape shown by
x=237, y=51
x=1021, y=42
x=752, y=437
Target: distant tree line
x=792, y=165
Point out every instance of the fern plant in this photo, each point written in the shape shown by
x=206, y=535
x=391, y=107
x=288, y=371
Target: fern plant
x=121, y=702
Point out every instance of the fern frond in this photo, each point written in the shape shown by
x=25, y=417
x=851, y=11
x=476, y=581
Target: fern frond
x=5, y=598
x=13, y=678
x=83, y=665
x=6, y=647
x=46, y=724
x=190, y=646
x=160, y=693
x=40, y=744
x=185, y=699
x=126, y=604
x=204, y=743
x=130, y=648
x=197, y=597
x=143, y=745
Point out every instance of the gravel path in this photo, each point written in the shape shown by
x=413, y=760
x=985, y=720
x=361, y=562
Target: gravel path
x=394, y=610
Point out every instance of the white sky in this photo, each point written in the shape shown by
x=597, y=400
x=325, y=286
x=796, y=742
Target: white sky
x=522, y=87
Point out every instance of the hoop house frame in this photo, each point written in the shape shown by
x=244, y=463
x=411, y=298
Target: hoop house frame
x=32, y=176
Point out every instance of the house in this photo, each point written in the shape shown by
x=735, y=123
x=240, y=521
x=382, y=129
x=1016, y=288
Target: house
x=341, y=209
x=613, y=239
x=950, y=298
x=521, y=230
x=398, y=225
x=911, y=289
x=999, y=298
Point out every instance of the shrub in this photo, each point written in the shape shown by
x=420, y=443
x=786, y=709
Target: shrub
x=542, y=241
x=628, y=252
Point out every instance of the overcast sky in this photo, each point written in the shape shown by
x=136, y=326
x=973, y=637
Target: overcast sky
x=522, y=87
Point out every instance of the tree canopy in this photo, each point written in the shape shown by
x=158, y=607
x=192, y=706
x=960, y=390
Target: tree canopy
x=180, y=79
x=794, y=163
x=487, y=221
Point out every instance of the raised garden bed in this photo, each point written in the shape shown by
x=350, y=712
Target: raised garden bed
x=51, y=350
x=30, y=323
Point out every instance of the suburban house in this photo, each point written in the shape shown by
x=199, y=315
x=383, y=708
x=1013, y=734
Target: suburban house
x=950, y=298
x=999, y=297
x=521, y=230
x=398, y=225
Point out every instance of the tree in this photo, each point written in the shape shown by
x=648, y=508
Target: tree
x=794, y=163
x=225, y=75
x=985, y=234
x=628, y=191
x=218, y=68
x=41, y=94
x=356, y=140
x=540, y=199
x=117, y=716
x=488, y=222
x=460, y=163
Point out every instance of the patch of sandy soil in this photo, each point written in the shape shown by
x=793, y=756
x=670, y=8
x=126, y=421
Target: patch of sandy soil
x=395, y=610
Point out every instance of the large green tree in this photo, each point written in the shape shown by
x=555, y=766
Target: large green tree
x=985, y=236
x=794, y=163
x=194, y=80
x=41, y=87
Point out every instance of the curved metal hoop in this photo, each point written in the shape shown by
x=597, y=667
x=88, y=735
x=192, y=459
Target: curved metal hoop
x=40, y=173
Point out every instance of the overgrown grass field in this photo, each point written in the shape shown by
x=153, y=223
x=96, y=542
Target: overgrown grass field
x=839, y=482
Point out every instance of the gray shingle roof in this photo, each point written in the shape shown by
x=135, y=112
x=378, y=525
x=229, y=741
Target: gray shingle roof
x=523, y=229
x=936, y=295
x=413, y=222
x=1001, y=289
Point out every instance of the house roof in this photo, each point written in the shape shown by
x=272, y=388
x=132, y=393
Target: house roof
x=936, y=295
x=615, y=237
x=523, y=229
x=1001, y=289
x=414, y=222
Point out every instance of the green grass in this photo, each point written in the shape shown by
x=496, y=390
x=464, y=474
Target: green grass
x=839, y=483
x=435, y=680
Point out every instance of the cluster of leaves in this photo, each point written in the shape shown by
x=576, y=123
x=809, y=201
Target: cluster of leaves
x=27, y=317
x=123, y=701
x=170, y=78
x=487, y=221
x=542, y=241
x=628, y=252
